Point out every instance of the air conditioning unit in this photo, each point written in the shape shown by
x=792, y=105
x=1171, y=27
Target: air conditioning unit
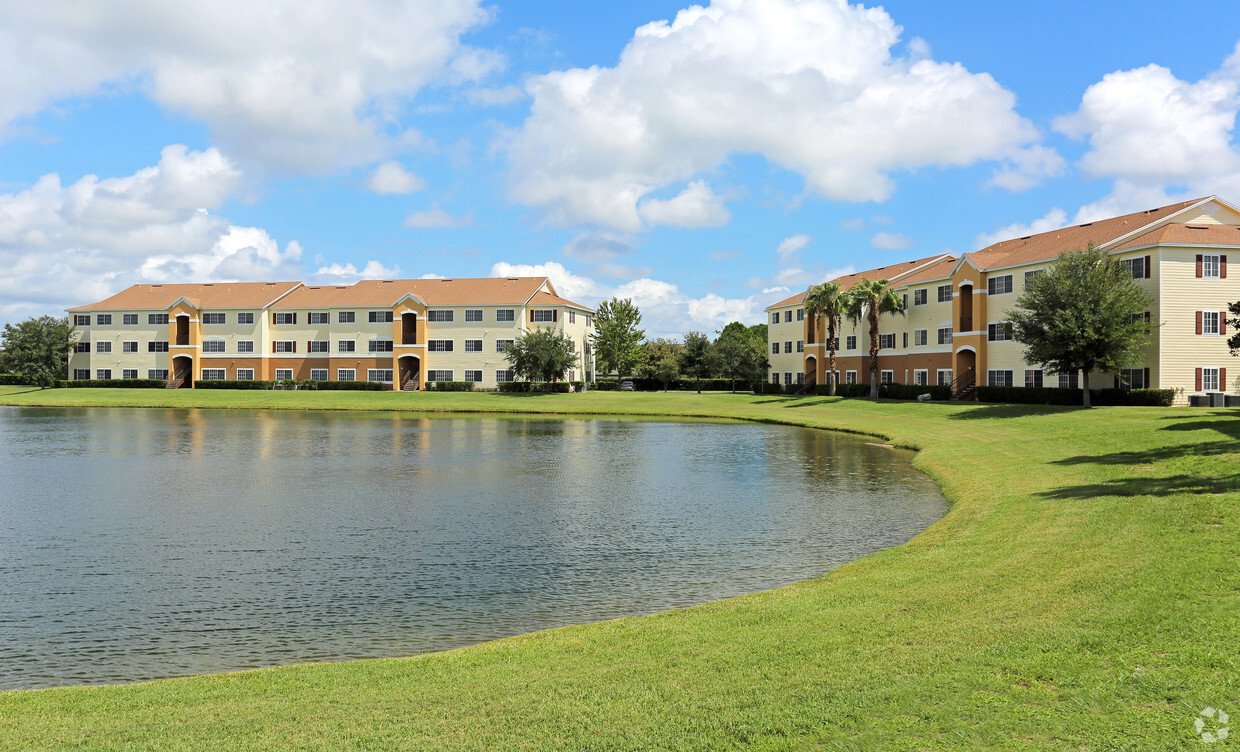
x=1218, y=399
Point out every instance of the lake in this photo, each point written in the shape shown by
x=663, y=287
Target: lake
x=146, y=543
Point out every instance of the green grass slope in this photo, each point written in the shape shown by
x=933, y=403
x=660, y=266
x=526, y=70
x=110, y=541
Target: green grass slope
x=1081, y=593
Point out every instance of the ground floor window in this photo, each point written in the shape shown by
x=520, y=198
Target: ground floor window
x=103, y=373
x=437, y=375
x=213, y=374
x=318, y=374
x=999, y=378
x=1069, y=381
x=157, y=373
x=886, y=377
x=1209, y=380
x=1133, y=378
x=382, y=375
x=503, y=376
x=245, y=374
x=945, y=377
x=921, y=377
x=284, y=373
x=800, y=379
x=476, y=376
x=850, y=377
x=346, y=374
x=129, y=373
x=788, y=379
x=1033, y=377
x=81, y=374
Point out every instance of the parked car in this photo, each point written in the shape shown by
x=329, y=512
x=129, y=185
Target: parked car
x=626, y=386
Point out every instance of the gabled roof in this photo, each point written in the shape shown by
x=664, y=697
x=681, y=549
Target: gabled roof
x=1048, y=245
x=941, y=269
x=795, y=299
x=1179, y=234
x=204, y=295
x=893, y=273
x=544, y=298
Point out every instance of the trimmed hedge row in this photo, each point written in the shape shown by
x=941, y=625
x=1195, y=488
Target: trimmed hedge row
x=1054, y=396
x=227, y=384
x=553, y=387
x=112, y=384
x=449, y=386
x=15, y=379
x=323, y=386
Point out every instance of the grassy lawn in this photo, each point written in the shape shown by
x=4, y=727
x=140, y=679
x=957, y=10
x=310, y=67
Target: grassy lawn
x=1082, y=593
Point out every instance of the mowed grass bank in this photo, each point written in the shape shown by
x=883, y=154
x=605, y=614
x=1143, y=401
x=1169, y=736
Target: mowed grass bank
x=1082, y=593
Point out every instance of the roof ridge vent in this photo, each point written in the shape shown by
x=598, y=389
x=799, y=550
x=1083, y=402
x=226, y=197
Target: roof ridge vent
x=208, y=284
x=1197, y=227
x=1026, y=237
x=1087, y=224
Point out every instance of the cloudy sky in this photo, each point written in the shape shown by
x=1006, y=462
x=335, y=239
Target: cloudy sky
x=702, y=160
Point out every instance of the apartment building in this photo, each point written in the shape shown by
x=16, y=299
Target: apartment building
x=404, y=333
x=954, y=328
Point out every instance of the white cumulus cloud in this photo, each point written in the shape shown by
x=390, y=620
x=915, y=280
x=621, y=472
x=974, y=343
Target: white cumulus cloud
x=391, y=178
x=695, y=206
x=436, y=218
x=891, y=241
x=348, y=273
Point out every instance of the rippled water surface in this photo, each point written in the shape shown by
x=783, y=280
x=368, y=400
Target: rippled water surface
x=138, y=544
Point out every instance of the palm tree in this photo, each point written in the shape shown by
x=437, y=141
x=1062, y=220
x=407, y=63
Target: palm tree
x=827, y=300
x=869, y=300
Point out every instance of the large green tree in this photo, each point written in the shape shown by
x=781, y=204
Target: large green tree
x=1233, y=341
x=661, y=360
x=1082, y=313
x=542, y=354
x=697, y=358
x=617, y=340
x=867, y=300
x=827, y=300
x=740, y=353
x=38, y=348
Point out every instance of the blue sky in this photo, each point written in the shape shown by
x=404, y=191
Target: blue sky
x=704, y=161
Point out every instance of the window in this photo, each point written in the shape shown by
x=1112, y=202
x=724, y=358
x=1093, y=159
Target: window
x=284, y=346
x=945, y=293
x=886, y=377
x=774, y=348
x=775, y=375
x=284, y=373
x=157, y=373
x=999, y=285
x=1208, y=379
x=129, y=373
x=788, y=376
x=505, y=315
x=774, y=320
x=1133, y=378
x=103, y=319
x=475, y=376
x=130, y=346
x=285, y=318
x=788, y=317
x=318, y=318
x=215, y=318
x=921, y=337
x=999, y=378
x=129, y=319
x=245, y=345
x=800, y=345
x=503, y=376
x=346, y=374
x=502, y=345
x=886, y=341
x=920, y=297
x=157, y=346
x=81, y=374
x=438, y=375
x=346, y=317
x=1033, y=378
x=905, y=340
x=1069, y=381
x=544, y=315
x=214, y=374
x=318, y=374
x=850, y=377
x=346, y=345
x=245, y=318
x=945, y=335
x=103, y=346
x=213, y=345
x=473, y=315
x=1135, y=266
x=81, y=319
x=572, y=317
x=800, y=314
x=156, y=319
x=473, y=345
x=944, y=376
x=787, y=346
x=1211, y=266
x=382, y=317
x=318, y=346
x=921, y=377
x=245, y=374
x=800, y=378
x=1207, y=322
x=103, y=373
x=1029, y=275
x=850, y=342
x=379, y=345
x=439, y=345
x=442, y=317
x=589, y=323
x=1000, y=332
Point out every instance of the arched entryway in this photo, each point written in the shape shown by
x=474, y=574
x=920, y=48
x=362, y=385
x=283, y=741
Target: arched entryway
x=409, y=328
x=409, y=377
x=964, y=372
x=182, y=333
x=181, y=375
x=811, y=372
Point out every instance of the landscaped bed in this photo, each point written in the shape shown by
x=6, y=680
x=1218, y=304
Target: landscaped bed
x=1082, y=593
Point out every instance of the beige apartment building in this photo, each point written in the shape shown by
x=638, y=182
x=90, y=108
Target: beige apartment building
x=403, y=333
x=954, y=328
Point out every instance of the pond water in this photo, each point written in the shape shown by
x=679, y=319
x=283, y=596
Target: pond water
x=139, y=544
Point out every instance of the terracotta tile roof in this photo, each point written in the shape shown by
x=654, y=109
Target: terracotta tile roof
x=1178, y=234
x=798, y=298
x=892, y=272
x=544, y=298
x=206, y=295
x=1048, y=245
x=434, y=292
x=936, y=270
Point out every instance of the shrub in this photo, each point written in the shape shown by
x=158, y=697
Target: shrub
x=15, y=379
x=230, y=384
x=113, y=384
x=602, y=385
x=1073, y=397
x=449, y=386
x=912, y=391
x=577, y=385
x=351, y=386
x=555, y=387
x=514, y=386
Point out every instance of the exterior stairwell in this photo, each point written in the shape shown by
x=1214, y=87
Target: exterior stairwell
x=176, y=380
x=410, y=383
x=964, y=386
